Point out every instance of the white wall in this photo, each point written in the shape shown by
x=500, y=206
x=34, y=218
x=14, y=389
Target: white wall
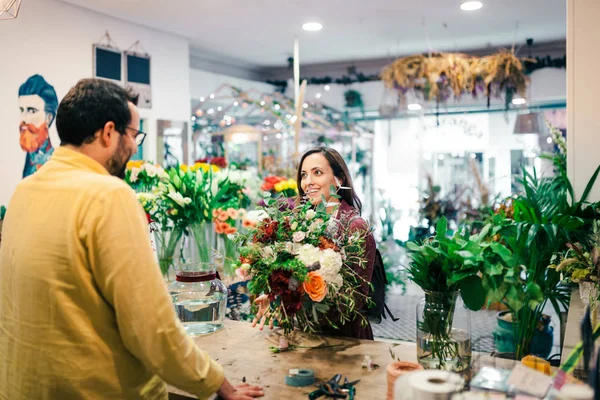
x=55, y=40
x=203, y=83
x=583, y=124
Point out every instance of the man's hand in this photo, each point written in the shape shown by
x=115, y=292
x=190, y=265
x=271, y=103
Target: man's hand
x=243, y=391
x=264, y=313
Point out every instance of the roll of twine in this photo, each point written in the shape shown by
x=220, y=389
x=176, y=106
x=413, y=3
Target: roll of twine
x=395, y=370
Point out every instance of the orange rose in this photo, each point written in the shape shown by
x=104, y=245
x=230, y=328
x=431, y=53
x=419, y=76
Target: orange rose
x=218, y=228
x=315, y=286
x=232, y=212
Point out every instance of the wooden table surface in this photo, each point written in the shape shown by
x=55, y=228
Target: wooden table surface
x=243, y=351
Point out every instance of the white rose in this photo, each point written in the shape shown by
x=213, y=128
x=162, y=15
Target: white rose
x=178, y=198
x=298, y=236
x=310, y=214
x=256, y=215
x=134, y=174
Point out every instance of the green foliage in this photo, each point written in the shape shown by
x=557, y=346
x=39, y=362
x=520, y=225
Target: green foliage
x=2, y=212
x=439, y=264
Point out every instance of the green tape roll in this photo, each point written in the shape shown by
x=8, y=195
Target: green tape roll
x=300, y=377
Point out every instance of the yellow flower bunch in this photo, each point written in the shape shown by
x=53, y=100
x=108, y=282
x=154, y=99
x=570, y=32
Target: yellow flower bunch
x=135, y=164
x=204, y=166
x=287, y=184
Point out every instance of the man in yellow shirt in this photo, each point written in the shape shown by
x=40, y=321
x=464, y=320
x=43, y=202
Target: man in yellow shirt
x=84, y=311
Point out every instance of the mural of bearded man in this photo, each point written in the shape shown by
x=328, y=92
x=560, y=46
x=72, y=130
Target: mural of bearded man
x=38, y=104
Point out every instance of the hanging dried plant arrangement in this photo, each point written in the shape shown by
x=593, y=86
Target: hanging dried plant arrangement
x=441, y=75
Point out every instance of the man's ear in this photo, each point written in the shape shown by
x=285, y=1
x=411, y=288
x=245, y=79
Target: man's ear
x=107, y=134
x=49, y=119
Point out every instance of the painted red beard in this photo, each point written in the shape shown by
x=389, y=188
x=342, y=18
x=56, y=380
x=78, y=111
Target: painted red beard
x=31, y=137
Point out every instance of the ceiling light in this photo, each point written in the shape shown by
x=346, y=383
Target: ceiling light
x=318, y=96
x=202, y=99
x=305, y=105
x=219, y=108
x=519, y=101
x=327, y=87
x=235, y=103
x=312, y=26
x=212, y=96
x=414, y=107
x=278, y=136
x=549, y=140
x=471, y=5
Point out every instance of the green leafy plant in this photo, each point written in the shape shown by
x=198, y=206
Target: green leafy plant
x=438, y=266
x=2, y=212
x=537, y=225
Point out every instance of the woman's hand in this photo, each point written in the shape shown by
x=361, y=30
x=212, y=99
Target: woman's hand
x=264, y=312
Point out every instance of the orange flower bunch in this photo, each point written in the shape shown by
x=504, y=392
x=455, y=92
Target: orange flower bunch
x=224, y=219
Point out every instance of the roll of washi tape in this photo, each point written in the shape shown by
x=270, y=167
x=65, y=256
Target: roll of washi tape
x=300, y=377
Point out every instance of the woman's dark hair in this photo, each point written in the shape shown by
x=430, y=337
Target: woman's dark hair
x=88, y=106
x=340, y=171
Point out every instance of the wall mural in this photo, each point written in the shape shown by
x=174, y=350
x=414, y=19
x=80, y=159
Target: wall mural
x=38, y=105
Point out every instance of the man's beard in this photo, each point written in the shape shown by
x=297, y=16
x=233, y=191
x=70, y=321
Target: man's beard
x=117, y=164
x=31, y=137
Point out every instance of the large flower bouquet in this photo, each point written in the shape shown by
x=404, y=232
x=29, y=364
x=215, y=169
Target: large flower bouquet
x=300, y=258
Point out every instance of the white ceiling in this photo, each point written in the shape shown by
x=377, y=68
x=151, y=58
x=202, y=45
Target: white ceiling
x=261, y=32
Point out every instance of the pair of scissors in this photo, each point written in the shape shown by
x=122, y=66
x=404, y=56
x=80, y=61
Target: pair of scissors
x=333, y=388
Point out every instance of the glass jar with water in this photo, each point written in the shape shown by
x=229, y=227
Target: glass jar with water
x=443, y=332
x=200, y=298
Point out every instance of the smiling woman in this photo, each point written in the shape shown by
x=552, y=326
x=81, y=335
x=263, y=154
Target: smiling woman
x=321, y=174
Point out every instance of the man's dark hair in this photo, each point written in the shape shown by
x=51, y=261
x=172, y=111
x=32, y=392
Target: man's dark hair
x=37, y=85
x=88, y=106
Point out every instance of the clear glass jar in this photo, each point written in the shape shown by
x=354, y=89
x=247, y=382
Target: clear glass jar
x=443, y=332
x=200, y=298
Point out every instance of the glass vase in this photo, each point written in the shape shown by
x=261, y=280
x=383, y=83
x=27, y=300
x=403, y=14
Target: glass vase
x=168, y=241
x=443, y=332
x=198, y=244
x=200, y=298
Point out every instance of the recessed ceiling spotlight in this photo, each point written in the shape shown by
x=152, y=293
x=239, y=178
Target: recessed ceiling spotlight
x=312, y=26
x=414, y=107
x=471, y=5
x=519, y=101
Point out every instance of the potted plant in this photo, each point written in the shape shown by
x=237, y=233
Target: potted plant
x=443, y=323
x=531, y=230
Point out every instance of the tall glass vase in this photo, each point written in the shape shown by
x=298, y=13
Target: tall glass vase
x=443, y=332
x=168, y=240
x=198, y=245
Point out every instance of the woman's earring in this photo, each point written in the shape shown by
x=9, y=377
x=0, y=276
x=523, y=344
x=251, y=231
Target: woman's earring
x=340, y=185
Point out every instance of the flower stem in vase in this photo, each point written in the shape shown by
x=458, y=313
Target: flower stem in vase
x=439, y=344
x=167, y=241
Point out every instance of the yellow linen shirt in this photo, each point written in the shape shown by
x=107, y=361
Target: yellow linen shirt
x=84, y=310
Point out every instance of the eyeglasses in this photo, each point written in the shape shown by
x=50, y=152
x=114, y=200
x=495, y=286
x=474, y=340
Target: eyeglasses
x=139, y=136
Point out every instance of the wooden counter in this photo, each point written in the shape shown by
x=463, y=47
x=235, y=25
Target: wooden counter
x=243, y=351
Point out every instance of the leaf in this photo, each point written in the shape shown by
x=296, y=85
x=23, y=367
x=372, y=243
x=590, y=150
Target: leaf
x=534, y=294
x=441, y=228
x=589, y=186
x=494, y=269
x=504, y=253
x=473, y=292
